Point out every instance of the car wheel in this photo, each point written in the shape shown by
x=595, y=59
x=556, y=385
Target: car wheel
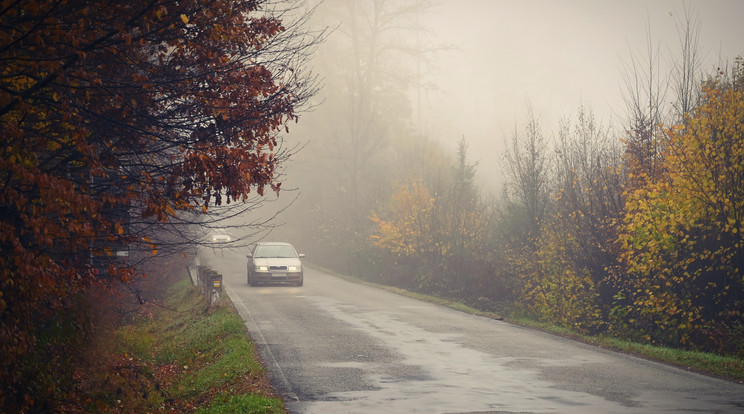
x=250, y=280
x=300, y=282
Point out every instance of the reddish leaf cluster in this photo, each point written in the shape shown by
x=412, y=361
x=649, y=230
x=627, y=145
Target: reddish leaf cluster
x=142, y=107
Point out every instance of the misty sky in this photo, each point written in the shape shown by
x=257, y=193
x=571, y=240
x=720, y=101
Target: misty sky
x=552, y=55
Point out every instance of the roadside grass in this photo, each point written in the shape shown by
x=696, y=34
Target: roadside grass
x=726, y=367
x=183, y=357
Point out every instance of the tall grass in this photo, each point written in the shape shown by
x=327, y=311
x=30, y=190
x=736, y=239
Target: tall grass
x=184, y=356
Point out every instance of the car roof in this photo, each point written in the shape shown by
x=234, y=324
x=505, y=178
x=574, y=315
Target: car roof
x=272, y=243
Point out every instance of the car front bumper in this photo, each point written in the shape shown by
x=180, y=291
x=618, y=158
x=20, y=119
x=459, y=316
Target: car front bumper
x=277, y=277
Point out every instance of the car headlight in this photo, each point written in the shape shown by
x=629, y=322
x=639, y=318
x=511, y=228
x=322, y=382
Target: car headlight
x=262, y=268
x=293, y=268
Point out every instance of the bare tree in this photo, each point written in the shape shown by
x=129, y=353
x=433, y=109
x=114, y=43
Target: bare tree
x=589, y=200
x=527, y=169
x=648, y=84
x=686, y=73
x=646, y=88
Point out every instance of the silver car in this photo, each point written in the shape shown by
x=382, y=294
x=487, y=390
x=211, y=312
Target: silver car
x=274, y=262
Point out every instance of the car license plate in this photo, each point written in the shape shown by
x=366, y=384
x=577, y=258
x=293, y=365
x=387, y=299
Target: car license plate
x=279, y=275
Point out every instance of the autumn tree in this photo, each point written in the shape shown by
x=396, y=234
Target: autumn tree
x=408, y=235
x=436, y=231
x=682, y=235
x=413, y=217
x=560, y=266
x=154, y=109
x=589, y=200
x=364, y=121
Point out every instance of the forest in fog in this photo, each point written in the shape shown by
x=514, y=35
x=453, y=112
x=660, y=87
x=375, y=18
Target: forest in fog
x=631, y=228
x=473, y=150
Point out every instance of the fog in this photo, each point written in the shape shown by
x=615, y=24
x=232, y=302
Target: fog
x=468, y=69
x=399, y=175
x=553, y=55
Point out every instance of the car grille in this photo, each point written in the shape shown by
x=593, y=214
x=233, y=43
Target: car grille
x=278, y=268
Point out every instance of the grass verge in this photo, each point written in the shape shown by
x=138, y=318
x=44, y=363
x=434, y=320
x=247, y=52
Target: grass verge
x=730, y=368
x=180, y=357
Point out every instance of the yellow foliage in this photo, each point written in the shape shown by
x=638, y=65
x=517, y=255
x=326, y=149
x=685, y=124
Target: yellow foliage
x=408, y=230
x=554, y=289
x=681, y=232
x=436, y=243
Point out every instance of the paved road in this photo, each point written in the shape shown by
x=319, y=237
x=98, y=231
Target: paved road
x=337, y=347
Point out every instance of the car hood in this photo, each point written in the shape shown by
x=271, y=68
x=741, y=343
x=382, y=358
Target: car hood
x=276, y=261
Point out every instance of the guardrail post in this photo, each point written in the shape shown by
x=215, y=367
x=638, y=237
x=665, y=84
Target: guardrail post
x=209, y=283
x=215, y=288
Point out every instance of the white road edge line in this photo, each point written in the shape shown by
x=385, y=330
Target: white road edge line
x=259, y=339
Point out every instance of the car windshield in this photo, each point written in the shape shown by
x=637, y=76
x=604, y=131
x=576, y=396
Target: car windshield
x=278, y=250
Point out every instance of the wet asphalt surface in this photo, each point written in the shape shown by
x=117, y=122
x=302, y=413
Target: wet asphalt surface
x=338, y=347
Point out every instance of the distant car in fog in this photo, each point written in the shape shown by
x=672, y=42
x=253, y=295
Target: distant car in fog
x=274, y=262
x=221, y=238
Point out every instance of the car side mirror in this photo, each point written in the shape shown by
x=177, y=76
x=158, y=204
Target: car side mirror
x=249, y=256
x=302, y=255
